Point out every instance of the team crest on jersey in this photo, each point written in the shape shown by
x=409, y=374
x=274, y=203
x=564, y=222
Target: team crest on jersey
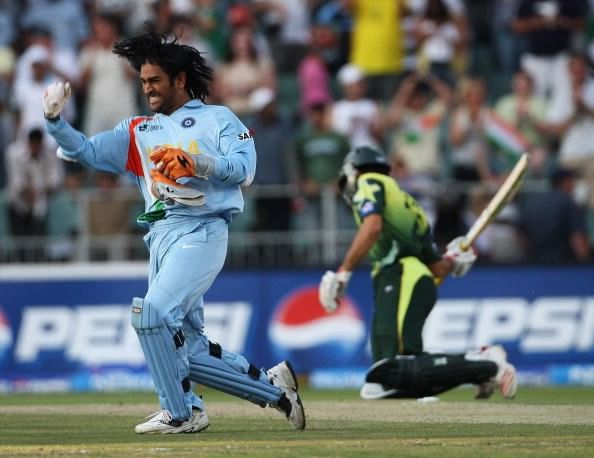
x=188, y=122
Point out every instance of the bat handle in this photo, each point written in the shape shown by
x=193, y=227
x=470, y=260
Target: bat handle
x=465, y=245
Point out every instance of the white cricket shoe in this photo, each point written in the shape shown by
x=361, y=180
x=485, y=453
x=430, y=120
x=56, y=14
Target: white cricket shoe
x=161, y=422
x=283, y=376
x=505, y=379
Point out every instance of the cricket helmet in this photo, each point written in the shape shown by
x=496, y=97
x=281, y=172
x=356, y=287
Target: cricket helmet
x=359, y=160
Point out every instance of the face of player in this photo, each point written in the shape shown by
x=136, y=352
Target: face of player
x=162, y=94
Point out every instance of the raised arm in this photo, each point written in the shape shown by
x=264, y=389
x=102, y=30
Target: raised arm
x=106, y=151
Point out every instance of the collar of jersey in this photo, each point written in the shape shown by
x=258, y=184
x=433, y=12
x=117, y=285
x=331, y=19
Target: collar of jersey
x=194, y=103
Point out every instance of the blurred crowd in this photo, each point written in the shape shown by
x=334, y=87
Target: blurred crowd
x=452, y=90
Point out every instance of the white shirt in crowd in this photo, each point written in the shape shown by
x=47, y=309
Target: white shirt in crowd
x=354, y=119
x=26, y=174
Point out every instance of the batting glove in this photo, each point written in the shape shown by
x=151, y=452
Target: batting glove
x=462, y=259
x=332, y=288
x=54, y=98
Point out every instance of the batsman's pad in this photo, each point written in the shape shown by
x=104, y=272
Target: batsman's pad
x=160, y=347
x=174, y=163
x=428, y=374
x=167, y=190
x=213, y=372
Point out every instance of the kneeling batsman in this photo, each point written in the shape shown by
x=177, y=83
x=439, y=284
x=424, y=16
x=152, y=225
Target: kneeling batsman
x=334, y=284
x=172, y=164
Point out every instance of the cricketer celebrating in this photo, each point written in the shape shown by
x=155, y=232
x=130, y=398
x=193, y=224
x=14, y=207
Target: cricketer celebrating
x=395, y=233
x=189, y=161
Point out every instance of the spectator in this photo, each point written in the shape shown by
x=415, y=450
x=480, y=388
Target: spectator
x=27, y=92
x=102, y=72
x=162, y=15
x=469, y=148
x=377, y=46
x=189, y=34
x=320, y=152
x=8, y=12
x=500, y=242
x=64, y=221
x=66, y=20
x=272, y=136
x=62, y=63
x=287, y=24
x=508, y=44
x=560, y=237
x=312, y=73
x=34, y=172
x=573, y=120
x=241, y=16
x=549, y=27
x=524, y=110
x=416, y=114
x=439, y=37
x=7, y=54
x=355, y=115
x=109, y=217
x=334, y=16
x=210, y=19
x=244, y=72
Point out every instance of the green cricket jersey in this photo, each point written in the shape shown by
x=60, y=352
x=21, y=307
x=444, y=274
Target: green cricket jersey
x=406, y=231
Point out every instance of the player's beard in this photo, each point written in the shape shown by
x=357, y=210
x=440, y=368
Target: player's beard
x=162, y=104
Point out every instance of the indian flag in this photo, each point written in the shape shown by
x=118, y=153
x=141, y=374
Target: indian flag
x=505, y=137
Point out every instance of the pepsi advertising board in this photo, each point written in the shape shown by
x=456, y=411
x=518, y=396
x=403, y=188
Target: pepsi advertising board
x=68, y=327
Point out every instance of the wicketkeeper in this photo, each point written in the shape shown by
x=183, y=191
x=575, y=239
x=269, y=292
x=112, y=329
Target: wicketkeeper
x=395, y=233
x=189, y=161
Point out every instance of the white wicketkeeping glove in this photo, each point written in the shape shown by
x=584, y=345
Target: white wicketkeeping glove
x=54, y=99
x=462, y=259
x=332, y=288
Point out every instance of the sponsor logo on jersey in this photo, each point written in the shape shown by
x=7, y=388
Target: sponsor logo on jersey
x=5, y=338
x=188, y=122
x=146, y=127
x=301, y=331
x=246, y=135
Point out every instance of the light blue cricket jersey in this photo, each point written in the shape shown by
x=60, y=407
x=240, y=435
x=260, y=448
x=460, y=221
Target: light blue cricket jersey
x=196, y=128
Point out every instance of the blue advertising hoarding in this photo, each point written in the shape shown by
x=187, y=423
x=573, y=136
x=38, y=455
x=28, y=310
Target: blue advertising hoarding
x=67, y=327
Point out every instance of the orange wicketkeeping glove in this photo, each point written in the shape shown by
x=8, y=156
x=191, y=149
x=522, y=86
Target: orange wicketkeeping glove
x=172, y=162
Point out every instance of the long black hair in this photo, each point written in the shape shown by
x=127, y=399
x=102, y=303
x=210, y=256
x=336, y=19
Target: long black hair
x=166, y=52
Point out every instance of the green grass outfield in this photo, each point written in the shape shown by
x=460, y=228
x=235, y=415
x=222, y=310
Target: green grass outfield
x=540, y=422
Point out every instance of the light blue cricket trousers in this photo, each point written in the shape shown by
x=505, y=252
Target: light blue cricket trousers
x=186, y=255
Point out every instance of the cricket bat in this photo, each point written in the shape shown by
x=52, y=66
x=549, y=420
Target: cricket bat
x=502, y=197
